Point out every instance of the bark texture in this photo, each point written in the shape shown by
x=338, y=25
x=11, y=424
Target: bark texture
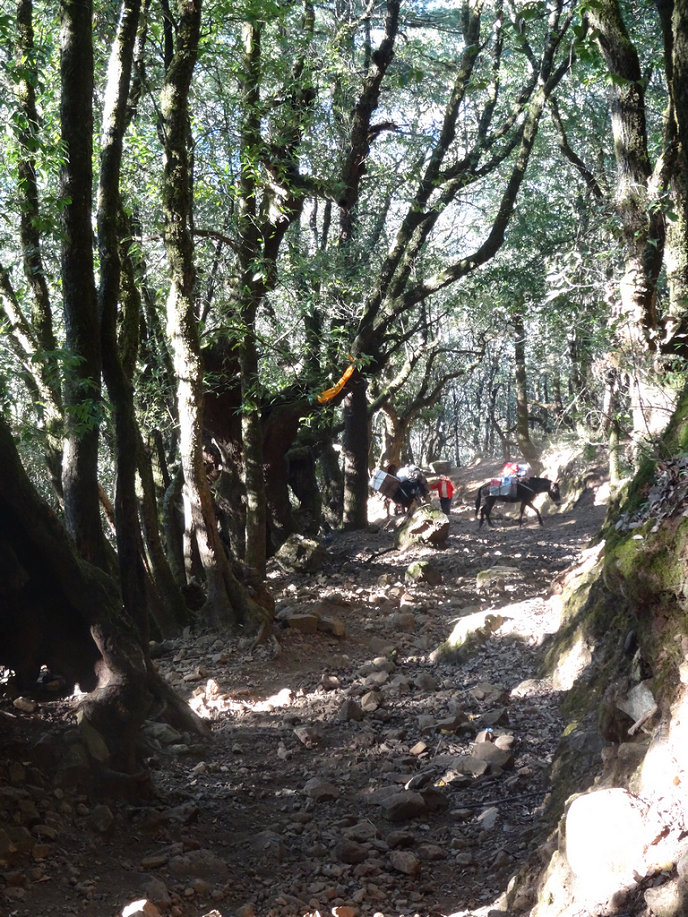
x=82, y=331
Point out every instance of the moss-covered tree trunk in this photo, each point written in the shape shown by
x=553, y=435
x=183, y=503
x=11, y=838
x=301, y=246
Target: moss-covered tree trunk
x=674, y=21
x=227, y=601
x=119, y=386
x=82, y=392
x=45, y=344
x=638, y=194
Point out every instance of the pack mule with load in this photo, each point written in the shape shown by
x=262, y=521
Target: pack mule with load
x=407, y=488
x=518, y=491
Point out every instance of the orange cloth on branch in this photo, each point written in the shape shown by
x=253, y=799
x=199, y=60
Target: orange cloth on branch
x=331, y=393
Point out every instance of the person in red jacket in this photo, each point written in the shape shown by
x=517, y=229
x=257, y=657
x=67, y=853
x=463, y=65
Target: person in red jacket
x=445, y=489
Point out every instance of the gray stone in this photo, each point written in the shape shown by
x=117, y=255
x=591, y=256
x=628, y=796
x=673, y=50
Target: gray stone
x=426, y=682
x=304, y=623
x=156, y=891
x=299, y=553
x=639, y=701
x=422, y=571
x=332, y=626
x=489, y=693
x=320, y=790
x=469, y=633
x=376, y=679
x=403, y=621
x=309, y=736
x=205, y=863
x=488, y=818
x=495, y=578
x=497, y=758
x=362, y=831
x=371, y=701
x=141, y=908
x=428, y=525
x=505, y=741
x=350, y=710
x=351, y=852
x=432, y=852
x=498, y=716
x=435, y=800
x=403, y=806
x=330, y=682
x=451, y=723
x=7, y=847
x=405, y=862
x=469, y=765
x=101, y=819
x=669, y=899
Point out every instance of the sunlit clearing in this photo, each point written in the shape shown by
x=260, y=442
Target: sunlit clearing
x=77, y=692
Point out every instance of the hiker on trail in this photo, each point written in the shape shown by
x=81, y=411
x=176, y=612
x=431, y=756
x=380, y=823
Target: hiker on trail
x=445, y=490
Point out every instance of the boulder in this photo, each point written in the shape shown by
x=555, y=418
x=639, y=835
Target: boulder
x=495, y=578
x=605, y=841
x=422, y=571
x=469, y=634
x=300, y=553
x=428, y=525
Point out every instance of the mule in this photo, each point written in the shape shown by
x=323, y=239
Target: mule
x=526, y=491
x=408, y=496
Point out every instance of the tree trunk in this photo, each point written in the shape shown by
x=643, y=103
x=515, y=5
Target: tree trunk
x=227, y=601
x=394, y=436
x=280, y=424
x=674, y=19
x=41, y=319
x=637, y=199
x=82, y=331
x=614, y=449
x=173, y=527
x=303, y=484
x=170, y=613
x=525, y=444
x=249, y=292
x=73, y=620
x=333, y=484
x=120, y=389
x=355, y=410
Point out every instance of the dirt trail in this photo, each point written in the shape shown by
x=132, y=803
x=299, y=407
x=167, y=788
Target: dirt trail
x=341, y=775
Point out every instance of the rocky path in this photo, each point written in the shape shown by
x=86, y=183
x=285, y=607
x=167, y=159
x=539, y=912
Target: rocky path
x=350, y=771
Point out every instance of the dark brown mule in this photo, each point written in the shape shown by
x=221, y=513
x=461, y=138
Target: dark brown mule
x=525, y=494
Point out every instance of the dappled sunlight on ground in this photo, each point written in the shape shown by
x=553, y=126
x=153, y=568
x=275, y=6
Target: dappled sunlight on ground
x=324, y=741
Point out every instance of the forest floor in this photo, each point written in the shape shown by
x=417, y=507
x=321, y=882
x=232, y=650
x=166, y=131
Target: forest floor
x=345, y=773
